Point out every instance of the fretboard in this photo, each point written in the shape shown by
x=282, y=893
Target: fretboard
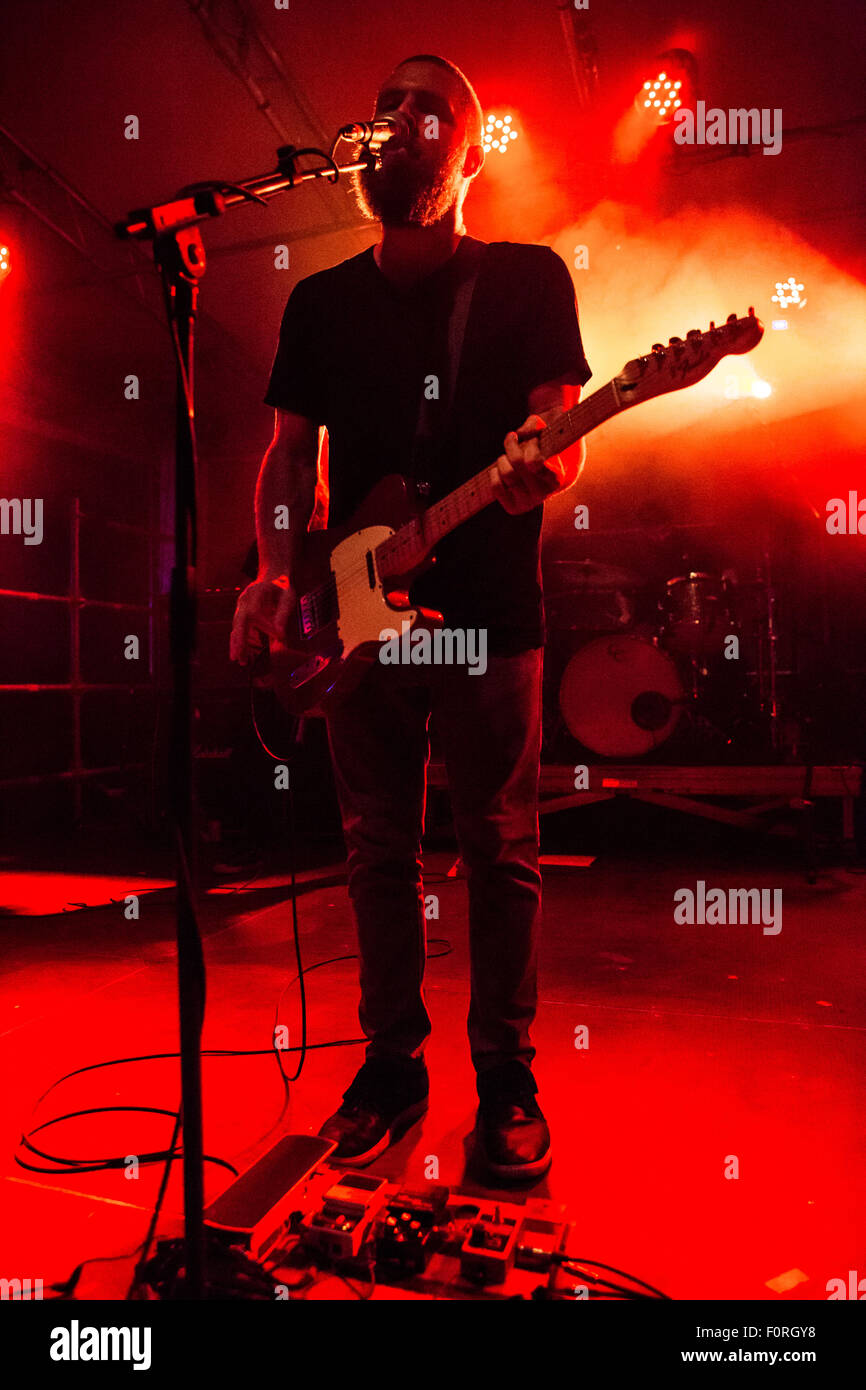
x=412, y=543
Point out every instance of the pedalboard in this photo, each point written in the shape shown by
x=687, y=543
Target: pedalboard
x=291, y=1207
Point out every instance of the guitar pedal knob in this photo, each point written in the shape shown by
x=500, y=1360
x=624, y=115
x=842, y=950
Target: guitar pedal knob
x=658, y=347
x=732, y=318
x=674, y=342
x=694, y=333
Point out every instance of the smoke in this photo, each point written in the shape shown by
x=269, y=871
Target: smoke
x=649, y=279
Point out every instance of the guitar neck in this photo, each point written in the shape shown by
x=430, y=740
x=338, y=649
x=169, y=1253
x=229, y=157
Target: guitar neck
x=413, y=542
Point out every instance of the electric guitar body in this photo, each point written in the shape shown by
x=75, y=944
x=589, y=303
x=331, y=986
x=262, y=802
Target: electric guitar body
x=346, y=602
x=352, y=581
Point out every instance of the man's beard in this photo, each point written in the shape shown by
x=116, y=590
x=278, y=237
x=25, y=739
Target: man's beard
x=406, y=192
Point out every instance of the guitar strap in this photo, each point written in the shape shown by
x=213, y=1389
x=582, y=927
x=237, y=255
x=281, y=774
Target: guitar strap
x=434, y=416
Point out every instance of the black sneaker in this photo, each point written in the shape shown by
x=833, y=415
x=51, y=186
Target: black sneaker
x=383, y=1101
x=512, y=1133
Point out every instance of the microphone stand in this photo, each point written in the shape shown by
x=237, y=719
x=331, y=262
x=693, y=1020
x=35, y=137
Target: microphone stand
x=179, y=255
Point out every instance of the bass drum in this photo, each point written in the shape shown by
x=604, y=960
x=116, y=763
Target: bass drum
x=621, y=696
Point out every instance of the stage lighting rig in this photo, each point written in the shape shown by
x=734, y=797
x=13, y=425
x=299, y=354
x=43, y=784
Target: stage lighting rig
x=498, y=133
x=788, y=292
x=670, y=85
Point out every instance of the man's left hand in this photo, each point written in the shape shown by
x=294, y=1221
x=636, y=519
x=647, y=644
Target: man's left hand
x=524, y=477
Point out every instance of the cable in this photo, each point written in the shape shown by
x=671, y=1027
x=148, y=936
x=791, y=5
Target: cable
x=362, y=1294
x=218, y=186
x=75, y=1165
x=66, y=1289
x=567, y=1261
x=84, y=1165
x=232, y=1272
x=293, y=882
x=296, y=736
x=138, y=1272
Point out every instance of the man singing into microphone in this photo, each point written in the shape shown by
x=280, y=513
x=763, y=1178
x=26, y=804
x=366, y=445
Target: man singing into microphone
x=359, y=347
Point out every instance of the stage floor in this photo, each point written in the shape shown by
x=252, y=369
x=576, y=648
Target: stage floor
x=707, y=1044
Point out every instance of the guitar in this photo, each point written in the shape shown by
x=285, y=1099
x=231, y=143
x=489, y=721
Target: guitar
x=352, y=581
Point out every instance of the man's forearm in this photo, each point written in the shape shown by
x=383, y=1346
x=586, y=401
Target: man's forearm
x=285, y=498
x=574, y=457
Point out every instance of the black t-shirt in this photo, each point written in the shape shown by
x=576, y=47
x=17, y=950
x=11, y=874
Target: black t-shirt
x=355, y=354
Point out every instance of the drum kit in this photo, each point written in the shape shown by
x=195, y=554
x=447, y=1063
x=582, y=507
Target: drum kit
x=631, y=666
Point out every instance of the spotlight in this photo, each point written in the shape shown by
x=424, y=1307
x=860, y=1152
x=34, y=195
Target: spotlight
x=671, y=84
x=787, y=292
x=761, y=389
x=4, y=262
x=498, y=133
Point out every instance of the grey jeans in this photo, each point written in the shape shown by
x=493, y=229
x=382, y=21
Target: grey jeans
x=489, y=726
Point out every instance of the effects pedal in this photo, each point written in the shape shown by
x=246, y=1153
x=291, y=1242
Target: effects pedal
x=256, y=1209
x=405, y=1230
x=487, y=1253
x=342, y=1223
x=542, y=1235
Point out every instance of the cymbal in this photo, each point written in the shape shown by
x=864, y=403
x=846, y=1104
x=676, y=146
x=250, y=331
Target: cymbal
x=592, y=575
x=658, y=530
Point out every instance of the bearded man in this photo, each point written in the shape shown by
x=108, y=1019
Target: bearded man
x=495, y=327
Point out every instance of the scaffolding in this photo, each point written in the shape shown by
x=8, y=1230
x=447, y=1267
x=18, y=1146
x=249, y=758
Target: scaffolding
x=77, y=602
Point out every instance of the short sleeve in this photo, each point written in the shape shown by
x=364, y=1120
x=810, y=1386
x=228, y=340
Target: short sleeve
x=296, y=382
x=553, y=344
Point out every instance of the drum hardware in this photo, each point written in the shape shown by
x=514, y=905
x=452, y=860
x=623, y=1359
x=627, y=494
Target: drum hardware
x=629, y=692
x=768, y=643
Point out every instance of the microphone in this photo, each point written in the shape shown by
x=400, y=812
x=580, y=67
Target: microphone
x=393, y=127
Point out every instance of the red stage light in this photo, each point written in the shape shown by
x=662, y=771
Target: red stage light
x=673, y=82
x=498, y=133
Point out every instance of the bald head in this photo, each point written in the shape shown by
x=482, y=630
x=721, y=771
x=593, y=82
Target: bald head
x=434, y=87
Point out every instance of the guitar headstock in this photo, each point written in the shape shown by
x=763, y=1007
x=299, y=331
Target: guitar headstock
x=686, y=361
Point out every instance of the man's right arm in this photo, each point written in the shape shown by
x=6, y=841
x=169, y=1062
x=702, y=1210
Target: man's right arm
x=287, y=478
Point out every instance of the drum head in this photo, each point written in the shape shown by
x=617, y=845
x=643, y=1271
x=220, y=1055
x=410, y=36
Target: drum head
x=621, y=696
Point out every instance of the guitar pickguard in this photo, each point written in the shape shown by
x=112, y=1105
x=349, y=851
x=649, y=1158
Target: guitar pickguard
x=364, y=610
